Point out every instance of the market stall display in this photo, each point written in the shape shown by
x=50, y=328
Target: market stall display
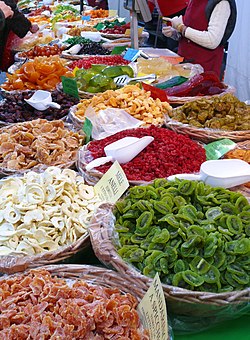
x=214, y=118
x=137, y=102
x=167, y=155
x=38, y=144
x=13, y=109
x=83, y=302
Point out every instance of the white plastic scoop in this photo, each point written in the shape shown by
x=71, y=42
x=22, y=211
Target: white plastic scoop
x=41, y=100
x=226, y=173
x=93, y=36
x=123, y=151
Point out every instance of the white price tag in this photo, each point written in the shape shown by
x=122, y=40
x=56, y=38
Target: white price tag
x=112, y=185
x=153, y=311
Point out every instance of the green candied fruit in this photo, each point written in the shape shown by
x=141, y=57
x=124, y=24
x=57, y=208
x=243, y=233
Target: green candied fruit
x=168, y=200
x=212, y=275
x=136, y=255
x=186, y=187
x=189, y=211
x=238, y=247
x=180, y=266
x=241, y=203
x=162, y=207
x=143, y=223
x=199, y=265
x=171, y=220
x=234, y=224
x=138, y=192
x=164, y=265
x=149, y=271
x=219, y=258
x=179, y=201
x=190, y=245
x=163, y=237
x=213, y=213
x=192, y=278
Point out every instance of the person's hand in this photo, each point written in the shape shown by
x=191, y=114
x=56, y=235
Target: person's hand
x=176, y=22
x=169, y=31
x=7, y=11
x=34, y=28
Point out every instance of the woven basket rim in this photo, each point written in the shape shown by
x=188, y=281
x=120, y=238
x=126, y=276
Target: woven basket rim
x=101, y=235
x=19, y=263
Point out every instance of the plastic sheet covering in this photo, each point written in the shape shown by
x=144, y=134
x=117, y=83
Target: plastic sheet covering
x=190, y=311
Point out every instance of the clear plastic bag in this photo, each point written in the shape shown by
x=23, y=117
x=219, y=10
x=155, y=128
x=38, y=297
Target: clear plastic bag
x=110, y=121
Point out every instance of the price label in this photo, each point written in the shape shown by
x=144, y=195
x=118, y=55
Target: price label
x=112, y=185
x=70, y=86
x=118, y=49
x=86, y=17
x=153, y=311
x=216, y=150
x=131, y=54
x=155, y=92
x=87, y=129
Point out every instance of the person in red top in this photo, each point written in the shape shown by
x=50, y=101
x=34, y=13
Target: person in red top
x=203, y=32
x=168, y=7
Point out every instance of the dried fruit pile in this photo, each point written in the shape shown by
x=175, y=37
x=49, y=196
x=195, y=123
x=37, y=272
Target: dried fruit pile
x=14, y=109
x=43, y=73
x=169, y=154
x=99, y=60
x=38, y=306
x=42, y=212
x=39, y=51
x=29, y=144
x=195, y=236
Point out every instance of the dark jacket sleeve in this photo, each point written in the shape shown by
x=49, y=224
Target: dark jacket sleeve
x=18, y=24
x=2, y=20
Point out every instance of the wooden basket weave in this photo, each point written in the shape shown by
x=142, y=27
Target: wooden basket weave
x=12, y=264
x=206, y=135
x=102, y=238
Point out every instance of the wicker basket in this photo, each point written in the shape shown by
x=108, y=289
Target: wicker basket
x=98, y=276
x=187, y=305
x=206, y=135
x=12, y=264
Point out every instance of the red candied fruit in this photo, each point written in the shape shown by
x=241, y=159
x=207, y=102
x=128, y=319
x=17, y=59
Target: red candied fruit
x=112, y=60
x=170, y=153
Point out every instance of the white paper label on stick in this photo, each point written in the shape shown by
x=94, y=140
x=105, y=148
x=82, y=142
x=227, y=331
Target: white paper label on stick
x=112, y=185
x=153, y=311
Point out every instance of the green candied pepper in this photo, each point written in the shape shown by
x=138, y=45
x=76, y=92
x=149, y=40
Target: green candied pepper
x=229, y=208
x=143, y=223
x=186, y=187
x=162, y=207
x=212, y=275
x=192, y=278
x=219, y=258
x=234, y=224
x=180, y=266
x=199, y=265
x=171, y=220
x=210, y=245
x=213, y=213
x=163, y=237
x=238, y=247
